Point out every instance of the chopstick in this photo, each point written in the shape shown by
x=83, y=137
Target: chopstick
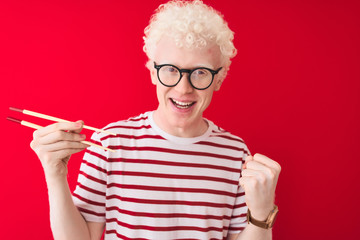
x=35, y=126
x=55, y=119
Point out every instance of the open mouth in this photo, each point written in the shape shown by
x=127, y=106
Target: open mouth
x=182, y=105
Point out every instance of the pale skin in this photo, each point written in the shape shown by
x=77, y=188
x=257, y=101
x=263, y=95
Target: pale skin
x=55, y=144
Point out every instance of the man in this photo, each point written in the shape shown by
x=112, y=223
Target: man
x=174, y=174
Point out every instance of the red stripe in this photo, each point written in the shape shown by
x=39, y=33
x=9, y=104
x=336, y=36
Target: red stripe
x=128, y=127
x=221, y=146
x=171, y=189
x=239, y=216
x=170, y=202
x=91, y=190
x=166, y=150
x=239, y=194
x=89, y=201
x=194, y=239
x=173, y=176
x=160, y=162
x=241, y=205
x=146, y=136
x=95, y=154
x=120, y=236
x=220, y=130
x=135, y=119
x=96, y=142
x=162, y=229
x=170, y=163
x=92, y=178
x=166, y=215
x=236, y=228
x=83, y=210
x=228, y=137
x=94, y=166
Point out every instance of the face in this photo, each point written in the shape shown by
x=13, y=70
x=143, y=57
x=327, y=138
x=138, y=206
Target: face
x=181, y=107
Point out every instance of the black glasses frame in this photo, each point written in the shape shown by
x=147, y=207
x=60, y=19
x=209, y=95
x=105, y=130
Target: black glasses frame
x=189, y=71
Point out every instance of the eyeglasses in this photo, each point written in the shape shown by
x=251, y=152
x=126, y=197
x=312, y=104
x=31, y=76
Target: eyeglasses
x=199, y=78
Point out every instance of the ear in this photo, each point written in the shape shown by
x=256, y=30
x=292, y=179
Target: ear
x=220, y=79
x=218, y=84
x=153, y=75
x=153, y=72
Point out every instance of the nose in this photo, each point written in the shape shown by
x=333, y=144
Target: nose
x=184, y=85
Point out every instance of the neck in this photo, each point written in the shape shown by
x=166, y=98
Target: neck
x=181, y=129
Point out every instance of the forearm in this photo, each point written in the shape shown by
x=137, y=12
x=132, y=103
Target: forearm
x=66, y=220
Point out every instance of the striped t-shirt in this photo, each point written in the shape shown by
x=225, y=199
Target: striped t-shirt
x=159, y=186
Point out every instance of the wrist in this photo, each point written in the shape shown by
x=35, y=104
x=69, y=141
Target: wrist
x=54, y=169
x=261, y=214
x=53, y=177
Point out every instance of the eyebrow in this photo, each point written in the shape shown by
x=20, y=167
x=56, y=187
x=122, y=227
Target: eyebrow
x=197, y=66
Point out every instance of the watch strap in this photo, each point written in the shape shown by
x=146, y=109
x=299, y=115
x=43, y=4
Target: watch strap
x=268, y=223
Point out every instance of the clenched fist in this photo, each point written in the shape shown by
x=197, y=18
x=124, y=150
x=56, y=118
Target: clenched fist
x=259, y=178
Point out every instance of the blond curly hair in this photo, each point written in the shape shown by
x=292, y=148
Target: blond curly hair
x=192, y=24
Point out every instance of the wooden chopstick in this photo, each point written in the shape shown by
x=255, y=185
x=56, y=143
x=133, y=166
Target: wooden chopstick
x=55, y=119
x=35, y=126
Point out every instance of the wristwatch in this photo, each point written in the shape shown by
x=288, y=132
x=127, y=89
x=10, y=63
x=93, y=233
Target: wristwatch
x=268, y=223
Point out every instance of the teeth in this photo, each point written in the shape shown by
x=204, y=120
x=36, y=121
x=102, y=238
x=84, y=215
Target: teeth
x=182, y=104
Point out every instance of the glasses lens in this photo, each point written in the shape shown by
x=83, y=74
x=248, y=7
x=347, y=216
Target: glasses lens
x=169, y=75
x=201, y=78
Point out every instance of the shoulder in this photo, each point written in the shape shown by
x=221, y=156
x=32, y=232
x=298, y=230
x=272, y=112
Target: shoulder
x=136, y=122
x=132, y=121
x=130, y=126
x=226, y=138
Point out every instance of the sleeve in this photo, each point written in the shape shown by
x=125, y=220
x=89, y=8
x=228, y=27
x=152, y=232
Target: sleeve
x=238, y=220
x=90, y=193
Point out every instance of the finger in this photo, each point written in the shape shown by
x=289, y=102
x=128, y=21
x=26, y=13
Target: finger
x=267, y=161
x=255, y=165
x=60, y=126
x=251, y=173
x=64, y=145
x=78, y=130
x=60, y=136
x=61, y=154
x=244, y=182
x=247, y=159
x=255, y=181
x=270, y=172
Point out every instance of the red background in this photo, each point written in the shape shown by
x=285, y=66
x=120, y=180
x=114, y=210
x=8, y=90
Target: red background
x=292, y=94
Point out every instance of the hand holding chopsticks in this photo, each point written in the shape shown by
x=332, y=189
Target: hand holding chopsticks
x=40, y=115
